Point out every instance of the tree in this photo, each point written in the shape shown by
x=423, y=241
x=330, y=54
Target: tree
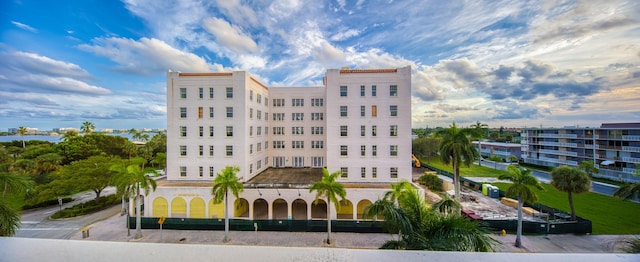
x=570, y=180
x=92, y=174
x=479, y=133
x=69, y=134
x=329, y=188
x=447, y=206
x=521, y=187
x=87, y=127
x=22, y=131
x=131, y=180
x=425, y=147
x=10, y=217
x=588, y=167
x=225, y=181
x=456, y=149
x=629, y=190
x=512, y=158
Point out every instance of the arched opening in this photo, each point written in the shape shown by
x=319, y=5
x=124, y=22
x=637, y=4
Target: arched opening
x=319, y=209
x=160, y=207
x=280, y=209
x=197, y=208
x=178, y=207
x=241, y=208
x=216, y=210
x=299, y=209
x=260, y=209
x=346, y=210
x=362, y=206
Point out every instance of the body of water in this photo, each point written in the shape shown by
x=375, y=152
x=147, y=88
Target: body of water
x=55, y=139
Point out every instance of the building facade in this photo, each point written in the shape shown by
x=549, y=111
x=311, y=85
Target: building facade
x=614, y=148
x=358, y=122
x=502, y=150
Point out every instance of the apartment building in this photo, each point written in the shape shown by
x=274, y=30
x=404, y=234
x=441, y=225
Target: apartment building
x=614, y=148
x=358, y=122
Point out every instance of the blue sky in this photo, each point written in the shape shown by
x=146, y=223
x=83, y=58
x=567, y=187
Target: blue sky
x=504, y=63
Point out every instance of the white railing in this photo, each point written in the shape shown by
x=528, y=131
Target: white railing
x=631, y=148
x=558, y=135
x=635, y=138
x=558, y=152
x=561, y=161
x=631, y=159
x=545, y=143
x=629, y=170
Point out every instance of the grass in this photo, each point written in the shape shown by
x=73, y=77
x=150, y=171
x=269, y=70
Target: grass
x=473, y=171
x=608, y=215
x=87, y=207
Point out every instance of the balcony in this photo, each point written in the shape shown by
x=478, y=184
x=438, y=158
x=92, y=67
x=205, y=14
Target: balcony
x=561, y=161
x=634, y=138
x=545, y=143
x=629, y=170
x=631, y=148
x=558, y=152
x=631, y=160
x=558, y=135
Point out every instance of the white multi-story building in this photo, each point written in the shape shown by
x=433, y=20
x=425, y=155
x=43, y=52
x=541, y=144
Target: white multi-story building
x=358, y=122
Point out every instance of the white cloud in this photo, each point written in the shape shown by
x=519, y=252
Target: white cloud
x=37, y=64
x=340, y=36
x=229, y=36
x=24, y=27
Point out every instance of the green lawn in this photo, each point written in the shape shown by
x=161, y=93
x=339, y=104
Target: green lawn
x=608, y=215
x=473, y=171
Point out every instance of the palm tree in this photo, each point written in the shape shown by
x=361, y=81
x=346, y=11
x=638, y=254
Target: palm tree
x=479, y=133
x=69, y=135
x=22, y=131
x=87, y=127
x=629, y=190
x=447, y=206
x=588, y=167
x=570, y=180
x=131, y=180
x=521, y=187
x=9, y=217
x=328, y=187
x=397, y=190
x=225, y=181
x=456, y=149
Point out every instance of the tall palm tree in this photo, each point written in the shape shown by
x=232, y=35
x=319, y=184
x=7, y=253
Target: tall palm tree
x=22, y=131
x=225, y=181
x=131, y=180
x=9, y=217
x=588, y=167
x=329, y=188
x=397, y=190
x=447, y=206
x=479, y=133
x=87, y=127
x=570, y=180
x=629, y=190
x=456, y=149
x=521, y=187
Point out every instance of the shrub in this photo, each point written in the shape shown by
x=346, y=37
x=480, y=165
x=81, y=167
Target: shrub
x=87, y=207
x=431, y=181
x=495, y=158
x=46, y=203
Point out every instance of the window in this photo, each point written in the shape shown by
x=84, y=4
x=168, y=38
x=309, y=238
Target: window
x=345, y=172
x=266, y=103
x=278, y=161
x=229, y=150
x=211, y=131
x=317, y=102
x=251, y=149
x=363, y=172
x=297, y=116
x=393, y=150
x=183, y=150
x=211, y=173
x=250, y=168
x=201, y=131
x=393, y=90
x=393, y=110
x=344, y=150
x=259, y=131
x=373, y=90
x=200, y=113
x=317, y=116
x=393, y=172
x=343, y=110
x=229, y=112
x=251, y=131
x=374, y=130
x=343, y=130
x=297, y=130
x=343, y=90
x=374, y=110
x=259, y=100
x=363, y=130
x=250, y=95
x=211, y=92
x=298, y=161
x=374, y=150
x=250, y=113
x=201, y=150
x=374, y=172
x=259, y=164
x=317, y=144
x=210, y=112
x=317, y=130
x=362, y=109
x=266, y=116
x=278, y=144
x=201, y=92
x=297, y=102
x=210, y=150
x=229, y=130
x=278, y=116
x=183, y=93
x=259, y=114
x=183, y=112
x=259, y=147
x=317, y=161
x=229, y=92
x=183, y=131
x=278, y=102
x=362, y=89
x=363, y=150
x=393, y=130
x=297, y=144
x=183, y=171
x=278, y=130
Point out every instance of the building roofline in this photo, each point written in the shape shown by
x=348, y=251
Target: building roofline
x=355, y=71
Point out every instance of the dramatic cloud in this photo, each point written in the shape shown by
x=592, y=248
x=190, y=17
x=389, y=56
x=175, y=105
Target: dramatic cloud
x=36, y=64
x=229, y=36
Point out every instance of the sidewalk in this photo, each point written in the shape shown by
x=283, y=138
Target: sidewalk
x=113, y=229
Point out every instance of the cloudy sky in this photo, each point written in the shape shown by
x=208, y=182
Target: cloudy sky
x=504, y=63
